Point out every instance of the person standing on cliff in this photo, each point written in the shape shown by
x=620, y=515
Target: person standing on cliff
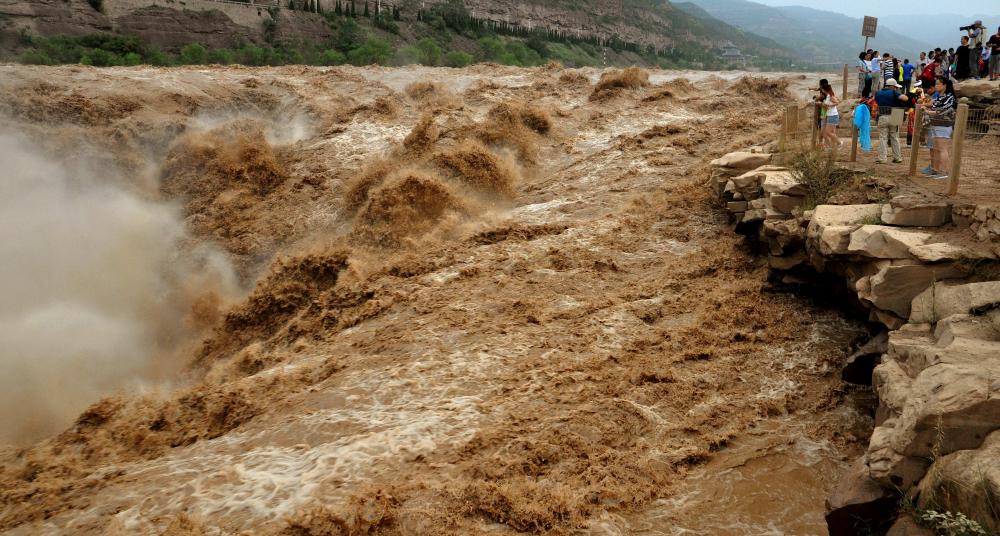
x=907, y=76
x=994, y=46
x=888, y=100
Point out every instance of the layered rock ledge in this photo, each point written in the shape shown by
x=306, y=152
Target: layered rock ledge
x=926, y=269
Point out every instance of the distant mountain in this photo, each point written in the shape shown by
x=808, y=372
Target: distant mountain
x=817, y=36
x=939, y=30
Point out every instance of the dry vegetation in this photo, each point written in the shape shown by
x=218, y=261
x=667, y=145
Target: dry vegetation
x=612, y=83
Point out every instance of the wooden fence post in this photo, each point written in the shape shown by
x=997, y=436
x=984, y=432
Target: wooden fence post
x=844, y=94
x=918, y=120
x=815, y=125
x=783, y=135
x=854, y=143
x=957, y=141
x=791, y=123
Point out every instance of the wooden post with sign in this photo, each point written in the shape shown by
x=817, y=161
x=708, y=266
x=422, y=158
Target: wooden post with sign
x=957, y=141
x=868, y=28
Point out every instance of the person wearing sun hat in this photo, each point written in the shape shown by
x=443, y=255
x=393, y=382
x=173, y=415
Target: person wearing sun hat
x=888, y=125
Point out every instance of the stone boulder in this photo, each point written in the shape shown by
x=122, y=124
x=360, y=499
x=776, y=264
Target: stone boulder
x=966, y=481
x=889, y=468
x=785, y=203
x=859, y=366
x=939, y=392
x=883, y=242
x=892, y=385
x=916, y=211
x=787, y=262
x=782, y=183
x=740, y=161
x=945, y=252
x=858, y=503
x=894, y=287
x=944, y=299
x=906, y=526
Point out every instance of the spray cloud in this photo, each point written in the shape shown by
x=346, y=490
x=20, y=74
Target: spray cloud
x=97, y=283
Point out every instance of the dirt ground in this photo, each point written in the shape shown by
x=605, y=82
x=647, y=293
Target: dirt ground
x=479, y=301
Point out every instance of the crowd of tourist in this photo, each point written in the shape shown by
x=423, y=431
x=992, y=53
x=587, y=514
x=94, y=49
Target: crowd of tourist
x=891, y=89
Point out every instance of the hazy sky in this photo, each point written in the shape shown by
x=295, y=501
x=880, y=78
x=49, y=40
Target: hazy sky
x=858, y=8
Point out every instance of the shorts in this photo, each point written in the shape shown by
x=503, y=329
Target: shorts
x=832, y=120
x=940, y=132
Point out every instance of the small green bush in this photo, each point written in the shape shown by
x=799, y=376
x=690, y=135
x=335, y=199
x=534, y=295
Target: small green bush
x=332, y=57
x=457, y=58
x=35, y=57
x=99, y=57
x=221, y=56
x=818, y=172
x=430, y=51
x=132, y=59
x=193, y=54
x=374, y=51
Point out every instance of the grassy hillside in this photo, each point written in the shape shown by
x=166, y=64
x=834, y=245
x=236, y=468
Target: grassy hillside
x=445, y=34
x=817, y=36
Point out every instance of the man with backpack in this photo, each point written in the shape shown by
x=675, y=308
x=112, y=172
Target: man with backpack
x=890, y=117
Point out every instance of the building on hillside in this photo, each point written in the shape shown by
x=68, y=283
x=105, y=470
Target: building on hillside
x=731, y=53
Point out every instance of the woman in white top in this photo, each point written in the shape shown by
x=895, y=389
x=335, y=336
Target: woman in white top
x=864, y=72
x=829, y=101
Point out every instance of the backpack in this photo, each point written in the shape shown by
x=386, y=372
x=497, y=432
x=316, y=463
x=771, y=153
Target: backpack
x=928, y=72
x=872, y=107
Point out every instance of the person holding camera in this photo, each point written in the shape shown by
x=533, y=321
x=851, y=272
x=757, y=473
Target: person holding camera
x=827, y=101
x=976, y=39
x=890, y=117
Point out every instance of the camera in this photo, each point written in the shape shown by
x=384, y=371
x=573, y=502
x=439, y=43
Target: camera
x=967, y=28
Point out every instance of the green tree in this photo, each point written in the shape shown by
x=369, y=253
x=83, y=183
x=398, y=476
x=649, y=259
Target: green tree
x=221, y=56
x=430, y=51
x=99, y=57
x=333, y=57
x=132, y=59
x=194, y=54
x=373, y=51
x=349, y=35
x=35, y=57
x=457, y=58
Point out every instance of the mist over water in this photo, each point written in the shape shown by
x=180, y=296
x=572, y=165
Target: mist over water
x=97, y=285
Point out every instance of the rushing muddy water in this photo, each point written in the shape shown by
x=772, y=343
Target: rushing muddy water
x=500, y=303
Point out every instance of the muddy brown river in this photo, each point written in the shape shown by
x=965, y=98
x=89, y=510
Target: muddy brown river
x=478, y=301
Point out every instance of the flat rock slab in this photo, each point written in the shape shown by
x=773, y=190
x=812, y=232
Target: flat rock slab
x=782, y=182
x=894, y=287
x=944, y=299
x=742, y=160
x=786, y=203
x=945, y=252
x=916, y=212
x=883, y=242
x=845, y=214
